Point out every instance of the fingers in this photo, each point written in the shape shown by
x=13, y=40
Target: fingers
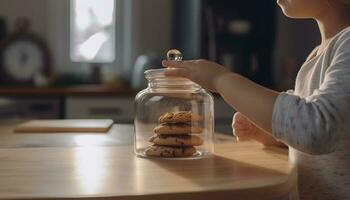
x=177, y=72
x=236, y=116
x=243, y=138
x=181, y=64
x=176, y=68
x=176, y=64
x=239, y=118
x=242, y=122
x=243, y=128
x=243, y=135
x=243, y=131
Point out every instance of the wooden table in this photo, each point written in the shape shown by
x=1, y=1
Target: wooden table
x=103, y=166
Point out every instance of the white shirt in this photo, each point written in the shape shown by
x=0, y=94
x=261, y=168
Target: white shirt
x=314, y=121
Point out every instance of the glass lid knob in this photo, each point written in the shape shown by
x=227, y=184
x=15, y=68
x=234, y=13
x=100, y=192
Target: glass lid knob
x=174, y=55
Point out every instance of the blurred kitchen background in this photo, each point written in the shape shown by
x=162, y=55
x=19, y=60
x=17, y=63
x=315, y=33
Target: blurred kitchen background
x=86, y=58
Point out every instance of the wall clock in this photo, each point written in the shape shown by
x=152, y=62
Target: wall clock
x=24, y=56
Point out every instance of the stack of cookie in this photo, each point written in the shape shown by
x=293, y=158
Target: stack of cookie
x=175, y=136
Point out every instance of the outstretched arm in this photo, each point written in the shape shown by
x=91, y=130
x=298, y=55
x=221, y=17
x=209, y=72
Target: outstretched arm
x=249, y=98
x=314, y=124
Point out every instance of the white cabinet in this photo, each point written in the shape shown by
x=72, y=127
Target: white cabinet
x=120, y=109
x=30, y=107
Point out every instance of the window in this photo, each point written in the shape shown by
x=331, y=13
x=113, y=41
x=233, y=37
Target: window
x=92, y=31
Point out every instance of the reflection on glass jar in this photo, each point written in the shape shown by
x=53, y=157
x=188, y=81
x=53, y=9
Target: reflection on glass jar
x=174, y=118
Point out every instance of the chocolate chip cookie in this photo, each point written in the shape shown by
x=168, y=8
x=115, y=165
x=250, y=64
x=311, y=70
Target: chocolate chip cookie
x=180, y=116
x=178, y=129
x=169, y=151
x=178, y=140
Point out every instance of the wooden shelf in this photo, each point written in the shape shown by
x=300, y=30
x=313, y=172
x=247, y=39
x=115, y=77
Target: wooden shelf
x=82, y=90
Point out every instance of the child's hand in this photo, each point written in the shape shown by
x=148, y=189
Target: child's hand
x=203, y=72
x=243, y=129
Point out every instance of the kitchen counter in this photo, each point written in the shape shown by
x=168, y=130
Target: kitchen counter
x=103, y=166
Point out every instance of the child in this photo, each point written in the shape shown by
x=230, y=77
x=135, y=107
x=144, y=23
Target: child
x=314, y=119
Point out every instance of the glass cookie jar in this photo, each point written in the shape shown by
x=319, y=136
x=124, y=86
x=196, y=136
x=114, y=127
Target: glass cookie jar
x=174, y=118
